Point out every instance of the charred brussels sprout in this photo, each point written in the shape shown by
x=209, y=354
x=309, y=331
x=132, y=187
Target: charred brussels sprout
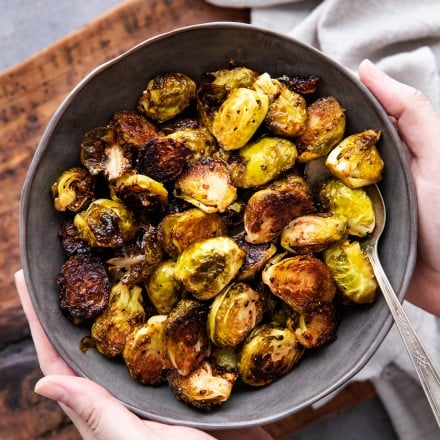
x=203, y=388
x=356, y=160
x=233, y=314
x=163, y=289
x=166, y=96
x=301, y=84
x=303, y=282
x=106, y=223
x=269, y=210
x=354, y=204
x=100, y=152
x=123, y=312
x=318, y=327
x=72, y=241
x=207, y=266
x=261, y=161
x=187, y=339
x=268, y=353
x=73, y=190
x=145, y=351
x=207, y=185
x=84, y=287
x=209, y=99
x=163, y=159
x=177, y=231
x=239, y=117
x=352, y=272
x=313, y=233
x=140, y=193
x=324, y=129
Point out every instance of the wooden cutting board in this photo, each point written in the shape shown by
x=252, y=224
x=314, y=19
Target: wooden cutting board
x=29, y=95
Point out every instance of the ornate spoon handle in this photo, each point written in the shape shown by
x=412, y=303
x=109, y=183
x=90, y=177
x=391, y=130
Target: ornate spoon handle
x=428, y=375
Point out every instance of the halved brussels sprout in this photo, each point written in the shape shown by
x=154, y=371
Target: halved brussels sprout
x=233, y=78
x=71, y=240
x=354, y=204
x=224, y=358
x=352, y=272
x=140, y=193
x=163, y=289
x=84, y=287
x=207, y=185
x=167, y=95
x=177, y=231
x=303, y=282
x=313, y=233
x=204, y=387
x=324, y=129
x=256, y=257
x=207, y=266
x=239, y=117
x=269, y=210
x=187, y=339
x=318, y=327
x=305, y=85
x=73, y=190
x=261, y=161
x=209, y=99
x=106, y=223
x=235, y=311
x=100, y=152
x=123, y=312
x=163, y=159
x=268, y=353
x=356, y=160
x=145, y=351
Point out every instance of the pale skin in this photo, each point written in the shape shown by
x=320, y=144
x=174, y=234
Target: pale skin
x=98, y=415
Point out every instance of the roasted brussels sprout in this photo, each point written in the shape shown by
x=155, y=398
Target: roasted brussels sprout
x=136, y=260
x=233, y=78
x=235, y=311
x=287, y=112
x=71, y=240
x=313, y=233
x=354, y=204
x=84, y=287
x=318, y=327
x=163, y=289
x=207, y=185
x=269, y=210
x=204, y=387
x=224, y=358
x=356, y=160
x=301, y=84
x=209, y=99
x=187, y=339
x=132, y=129
x=163, y=159
x=303, y=282
x=207, y=266
x=324, y=129
x=261, y=161
x=268, y=353
x=145, y=351
x=352, y=272
x=73, y=190
x=256, y=257
x=166, y=96
x=239, y=117
x=123, y=312
x=177, y=231
x=100, y=152
x=140, y=193
x=106, y=223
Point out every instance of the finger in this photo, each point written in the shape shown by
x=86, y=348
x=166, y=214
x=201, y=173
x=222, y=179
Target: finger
x=253, y=433
x=49, y=360
x=417, y=121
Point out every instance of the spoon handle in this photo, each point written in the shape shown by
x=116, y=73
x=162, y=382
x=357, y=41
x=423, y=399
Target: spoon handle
x=428, y=375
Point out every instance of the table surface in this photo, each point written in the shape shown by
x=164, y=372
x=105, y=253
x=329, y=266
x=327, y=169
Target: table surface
x=46, y=48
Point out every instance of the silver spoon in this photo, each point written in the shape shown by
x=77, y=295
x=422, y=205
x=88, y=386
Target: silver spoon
x=427, y=373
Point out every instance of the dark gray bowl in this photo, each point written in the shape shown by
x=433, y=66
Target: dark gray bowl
x=116, y=85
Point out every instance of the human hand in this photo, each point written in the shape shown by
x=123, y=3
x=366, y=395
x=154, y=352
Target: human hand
x=95, y=412
x=418, y=124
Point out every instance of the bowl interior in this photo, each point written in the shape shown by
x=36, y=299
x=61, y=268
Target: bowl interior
x=116, y=86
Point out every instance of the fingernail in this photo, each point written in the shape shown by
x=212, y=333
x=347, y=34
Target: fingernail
x=50, y=390
x=374, y=70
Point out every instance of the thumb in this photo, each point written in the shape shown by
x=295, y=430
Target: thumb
x=94, y=411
